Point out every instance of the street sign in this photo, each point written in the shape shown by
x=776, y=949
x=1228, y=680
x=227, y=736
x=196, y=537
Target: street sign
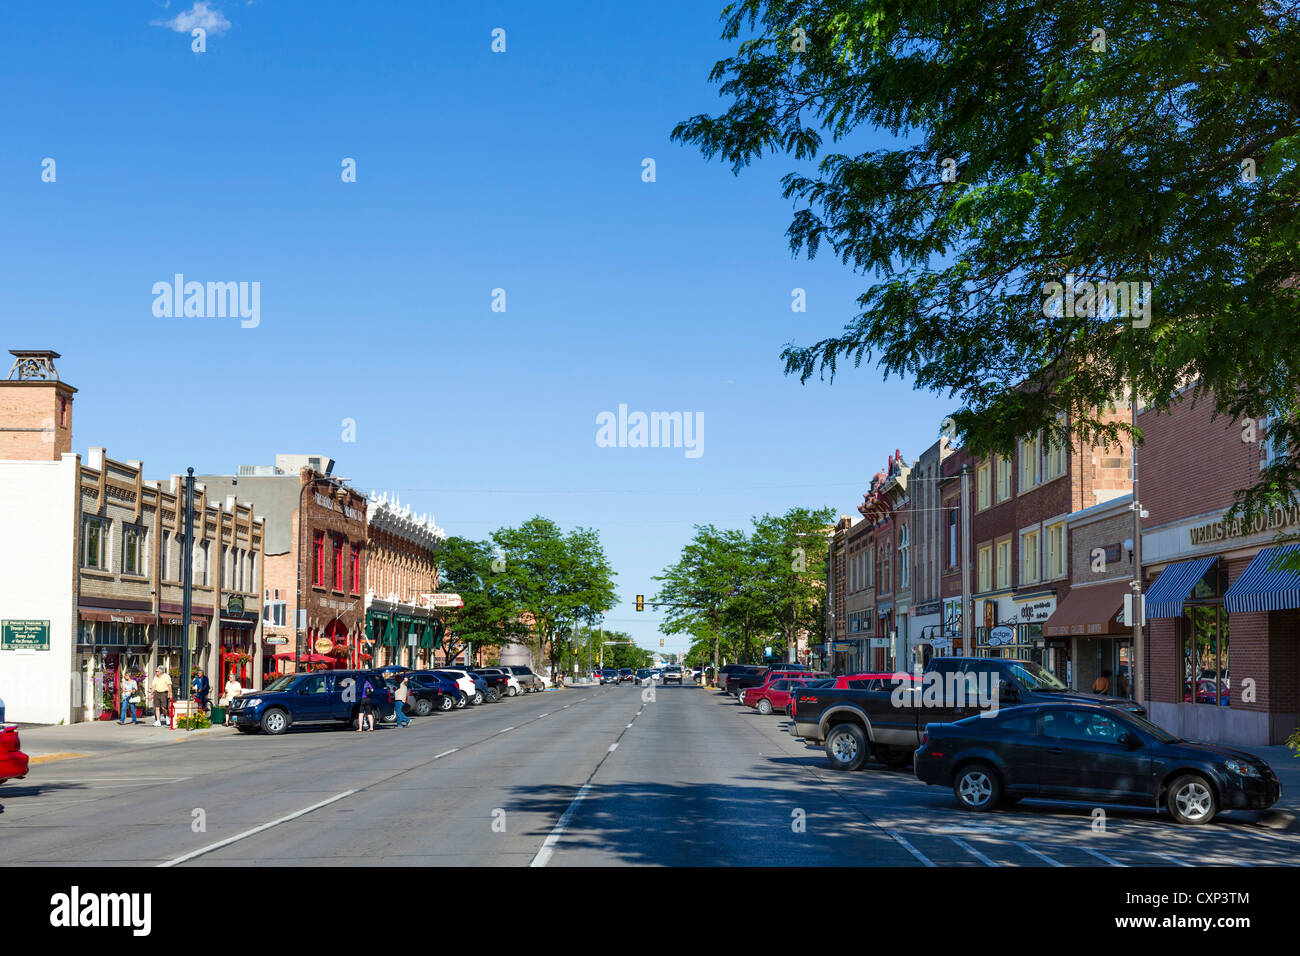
x=449, y=599
x=275, y=639
x=411, y=640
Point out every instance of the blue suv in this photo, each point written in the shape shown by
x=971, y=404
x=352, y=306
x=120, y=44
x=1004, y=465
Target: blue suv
x=310, y=698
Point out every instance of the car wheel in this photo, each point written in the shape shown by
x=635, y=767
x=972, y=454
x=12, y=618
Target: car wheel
x=1191, y=800
x=275, y=722
x=445, y=703
x=478, y=697
x=423, y=707
x=977, y=787
x=764, y=706
x=846, y=747
x=460, y=704
x=510, y=692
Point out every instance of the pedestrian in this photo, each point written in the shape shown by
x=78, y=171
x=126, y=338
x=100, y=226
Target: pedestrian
x=366, y=713
x=201, y=687
x=1102, y=684
x=402, y=695
x=162, y=694
x=233, y=689
x=129, y=699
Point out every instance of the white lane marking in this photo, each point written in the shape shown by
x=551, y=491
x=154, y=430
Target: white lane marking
x=1042, y=856
x=613, y=747
x=1172, y=859
x=1102, y=856
x=540, y=716
x=640, y=712
x=628, y=727
x=972, y=851
x=506, y=731
x=265, y=826
x=925, y=861
x=548, y=847
x=445, y=753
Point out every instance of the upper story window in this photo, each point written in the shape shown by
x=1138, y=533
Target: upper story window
x=1030, y=558
x=985, y=565
x=1004, y=477
x=94, y=543
x=1004, y=564
x=1030, y=463
x=338, y=564
x=1055, y=556
x=1274, y=446
x=356, y=570
x=952, y=536
x=200, y=570
x=1055, y=456
x=904, y=555
x=133, y=540
x=982, y=487
x=318, y=559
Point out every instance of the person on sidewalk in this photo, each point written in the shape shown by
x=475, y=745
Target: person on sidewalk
x=1102, y=684
x=129, y=687
x=162, y=695
x=400, y=697
x=201, y=687
x=366, y=715
x=233, y=689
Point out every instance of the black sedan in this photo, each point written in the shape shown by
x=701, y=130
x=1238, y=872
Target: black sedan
x=1090, y=753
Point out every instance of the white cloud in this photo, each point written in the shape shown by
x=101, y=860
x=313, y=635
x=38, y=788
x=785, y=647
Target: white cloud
x=200, y=15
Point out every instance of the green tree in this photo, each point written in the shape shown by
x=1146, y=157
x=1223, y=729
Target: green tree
x=703, y=593
x=790, y=561
x=1013, y=145
x=490, y=616
x=557, y=581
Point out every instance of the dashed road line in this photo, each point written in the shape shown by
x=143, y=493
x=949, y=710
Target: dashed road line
x=1102, y=856
x=1042, y=856
x=972, y=851
x=925, y=860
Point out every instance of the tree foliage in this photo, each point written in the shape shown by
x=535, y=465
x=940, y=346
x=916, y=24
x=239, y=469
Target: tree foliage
x=1116, y=141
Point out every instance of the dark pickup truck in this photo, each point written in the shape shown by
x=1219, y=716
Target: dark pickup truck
x=888, y=720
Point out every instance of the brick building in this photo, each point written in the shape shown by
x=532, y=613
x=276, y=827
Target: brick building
x=886, y=509
x=928, y=553
x=837, y=565
x=402, y=571
x=93, y=585
x=315, y=584
x=1222, y=655
x=1019, y=520
x=956, y=552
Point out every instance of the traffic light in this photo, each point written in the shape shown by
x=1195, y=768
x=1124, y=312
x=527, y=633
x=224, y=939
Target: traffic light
x=661, y=642
x=640, y=602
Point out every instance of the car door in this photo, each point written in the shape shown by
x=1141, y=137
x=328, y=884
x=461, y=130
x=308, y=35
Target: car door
x=313, y=699
x=1085, y=757
x=1016, y=738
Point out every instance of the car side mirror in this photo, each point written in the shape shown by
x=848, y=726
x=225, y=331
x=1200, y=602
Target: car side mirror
x=1130, y=741
x=1008, y=691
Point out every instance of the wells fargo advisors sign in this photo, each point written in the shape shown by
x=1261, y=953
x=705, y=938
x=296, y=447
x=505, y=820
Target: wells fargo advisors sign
x=1223, y=530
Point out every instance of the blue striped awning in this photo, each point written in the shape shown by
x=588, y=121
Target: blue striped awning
x=1170, y=590
x=1262, y=589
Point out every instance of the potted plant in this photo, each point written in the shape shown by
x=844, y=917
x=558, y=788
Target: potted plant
x=107, y=712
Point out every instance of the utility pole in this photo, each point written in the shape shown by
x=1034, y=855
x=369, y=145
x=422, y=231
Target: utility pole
x=1139, y=610
x=967, y=612
x=187, y=582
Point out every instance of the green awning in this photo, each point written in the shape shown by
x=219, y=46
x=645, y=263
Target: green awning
x=426, y=635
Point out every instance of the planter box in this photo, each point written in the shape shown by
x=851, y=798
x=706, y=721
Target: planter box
x=106, y=715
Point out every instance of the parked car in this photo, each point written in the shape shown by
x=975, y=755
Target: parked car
x=498, y=683
x=1206, y=692
x=1090, y=753
x=609, y=676
x=13, y=762
x=673, y=674
x=442, y=693
x=774, y=695
x=855, y=723
x=475, y=690
x=626, y=675
x=527, y=679
x=307, y=698
x=740, y=677
x=868, y=681
x=513, y=687
x=645, y=677
x=792, y=704
x=739, y=683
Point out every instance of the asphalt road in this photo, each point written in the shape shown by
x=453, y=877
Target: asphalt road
x=583, y=776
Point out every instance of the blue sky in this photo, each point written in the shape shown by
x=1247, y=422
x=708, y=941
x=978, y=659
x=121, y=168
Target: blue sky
x=475, y=170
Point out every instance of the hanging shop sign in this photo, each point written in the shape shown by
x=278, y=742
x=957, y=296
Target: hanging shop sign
x=1001, y=636
x=324, y=645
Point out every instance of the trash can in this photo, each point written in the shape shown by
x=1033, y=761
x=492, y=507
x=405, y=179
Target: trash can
x=218, y=714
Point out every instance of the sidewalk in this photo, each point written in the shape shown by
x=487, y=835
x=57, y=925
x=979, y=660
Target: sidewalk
x=1285, y=814
x=96, y=737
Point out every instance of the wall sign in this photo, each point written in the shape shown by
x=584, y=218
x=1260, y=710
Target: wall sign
x=25, y=636
x=1001, y=636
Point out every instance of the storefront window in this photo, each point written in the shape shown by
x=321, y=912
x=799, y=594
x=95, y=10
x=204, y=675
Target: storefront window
x=1204, y=658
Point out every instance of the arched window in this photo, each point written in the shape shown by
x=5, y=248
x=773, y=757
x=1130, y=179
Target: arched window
x=904, y=550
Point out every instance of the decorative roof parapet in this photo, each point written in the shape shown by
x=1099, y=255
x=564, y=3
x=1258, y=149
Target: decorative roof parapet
x=390, y=515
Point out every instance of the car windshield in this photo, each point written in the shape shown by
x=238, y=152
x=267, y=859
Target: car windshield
x=1035, y=677
x=1144, y=725
x=281, y=683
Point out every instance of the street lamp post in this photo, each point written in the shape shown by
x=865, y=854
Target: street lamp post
x=187, y=581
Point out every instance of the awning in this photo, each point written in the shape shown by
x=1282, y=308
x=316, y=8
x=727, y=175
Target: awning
x=1261, y=589
x=1088, y=610
x=107, y=615
x=1176, y=582
x=305, y=658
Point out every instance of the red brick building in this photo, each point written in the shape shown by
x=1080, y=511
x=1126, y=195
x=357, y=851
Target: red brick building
x=1223, y=638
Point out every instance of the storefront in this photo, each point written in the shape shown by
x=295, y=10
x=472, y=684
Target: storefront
x=238, y=629
x=1096, y=645
x=109, y=643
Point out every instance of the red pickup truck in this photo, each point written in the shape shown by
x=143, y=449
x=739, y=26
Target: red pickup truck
x=13, y=762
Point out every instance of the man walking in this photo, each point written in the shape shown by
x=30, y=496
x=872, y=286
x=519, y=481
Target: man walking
x=162, y=695
x=400, y=697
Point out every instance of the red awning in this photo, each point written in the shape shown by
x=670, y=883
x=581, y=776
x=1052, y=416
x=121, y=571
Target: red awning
x=1089, y=611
